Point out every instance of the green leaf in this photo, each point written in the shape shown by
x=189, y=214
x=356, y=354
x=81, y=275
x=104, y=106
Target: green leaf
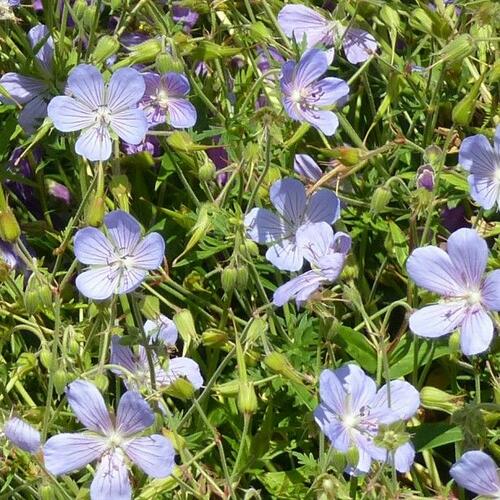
x=399, y=243
x=457, y=180
x=356, y=345
x=432, y=435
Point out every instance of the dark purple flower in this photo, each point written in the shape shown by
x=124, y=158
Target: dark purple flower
x=22, y=434
x=187, y=17
x=425, y=177
x=305, y=93
x=468, y=294
x=352, y=410
x=32, y=93
x=221, y=160
x=306, y=167
x=149, y=145
x=165, y=100
x=109, y=441
x=59, y=191
x=454, y=218
x=9, y=256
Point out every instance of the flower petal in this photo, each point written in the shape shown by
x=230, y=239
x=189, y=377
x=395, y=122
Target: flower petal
x=405, y=401
x=125, y=89
x=361, y=388
x=476, y=331
x=469, y=253
x=262, y=226
x=154, y=454
x=85, y=83
x=490, y=291
x=94, y=144
x=286, y=256
x=66, y=453
x=485, y=191
x=130, y=279
x=33, y=114
x=111, y=481
x=133, y=415
x=299, y=20
x=315, y=239
x=305, y=166
x=161, y=329
x=45, y=52
x=68, y=114
x=431, y=268
x=122, y=355
x=477, y=472
x=175, y=84
x=311, y=66
x=149, y=252
x=404, y=457
x=330, y=91
x=358, y=45
x=184, y=367
x=181, y=113
x=300, y=288
x=92, y=247
x=98, y=283
x=22, y=434
x=323, y=206
x=88, y=405
x=123, y=229
x=336, y=432
x=21, y=88
x=325, y=121
x=332, y=391
x=438, y=319
x=130, y=125
x=477, y=156
x=289, y=198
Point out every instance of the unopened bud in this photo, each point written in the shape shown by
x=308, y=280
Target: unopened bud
x=79, y=8
x=37, y=296
x=433, y=154
x=185, y=325
x=182, y=141
x=120, y=187
x=47, y=492
x=249, y=248
x=9, y=227
x=101, y=382
x=433, y=398
x=494, y=74
x=228, y=278
x=425, y=177
x=213, y=337
x=390, y=17
x=207, y=171
x=146, y=51
x=60, y=379
x=150, y=307
x=349, y=156
x=241, y=277
x=228, y=389
x=247, y=399
x=277, y=362
x=106, y=46
x=89, y=15
x=459, y=48
x=181, y=388
x=454, y=344
x=166, y=63
x=95, y=211
x=46, y=357
x=380, y=199
x=58, y=191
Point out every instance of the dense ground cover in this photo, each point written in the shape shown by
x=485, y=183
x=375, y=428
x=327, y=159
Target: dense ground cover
x=249, y=249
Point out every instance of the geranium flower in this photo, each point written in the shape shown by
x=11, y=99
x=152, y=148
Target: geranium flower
x=298, y=21
x=100, y=110
x=119, y=262
x=482, y=161
x=110, y=440
x=22, y=434
x=161, y=329
x=306, y=167
x=325, y=252
x=467, y=293
x=294, y=209
x=165, y=100
x=32, y=93
x=305, y=93
x=477, y=472
x=352, y=411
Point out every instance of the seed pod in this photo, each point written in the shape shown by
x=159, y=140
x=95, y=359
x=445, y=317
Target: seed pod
x=241, y=277
x=166, y=63
x=390, y=17
x=229, y=389
x=278, y=363
x=106, y=46
x=79, y=8
x=381, y=198
x=121, y=188
x=436, y=399
x=60, y=379
x=349, y=156
x=37, y=296
x=89, y=15
x=249, y=248
x=454, y=344
x=458, y=49
x=228, y=278
x=185, y=325
x=150, y=307
x=206, y=171
x=95, y=211
x=181, y=389
x=146, y=51
x=464, y=110
x=433, y=154
x=46, y=357
x=213, y=337
x=9, y=227
x=247, y=399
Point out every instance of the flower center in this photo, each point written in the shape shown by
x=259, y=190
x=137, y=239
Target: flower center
x=296, y=95
x=350, y=421
x=497, y=174
x=473, y=297
x=162, y=98
x=115, y=440
x=103, y=115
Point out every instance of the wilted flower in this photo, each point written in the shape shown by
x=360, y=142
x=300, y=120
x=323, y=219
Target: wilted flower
x=299, y=21
x=477, y=472
x=325, y=252
x=425, y=177
x=100, y=110
x=6, y=7
x=305, y=166
x=138, y=366
x=119, y=262
x=352, y=411
x=110, y=440
x=161, y=329
x=22, y=434
x=150, y=145
x=294, y=209
x=467, y=294
x=58, y=191
x=305, y=93
x=165, y=100
x=32, y=93
x=482, y=161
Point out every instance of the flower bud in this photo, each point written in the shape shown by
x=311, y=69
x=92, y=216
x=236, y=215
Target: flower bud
x=185, y=325
x=208, y=50
x=459, y=48
x=121, y=188
x=89, y=15
x=228, y=389
x=58, y=191
x=47, y=492
x=213, y=337
x=60, y=379
x=454, y=344
x=166, y=63
x=277, y=362
x=182, y=141
x=249, y=248
x=116, y=5
x=425, y=177
x=181, y=388
x=338, y=460
x=228, y=278
x=494, y=74
x=433, y=154
x=150, y=307
x=79, y=8
x=349, y=156
x=95, y=211
x=106, y=46
x=433, y=398
x=380, y=199
x=206, y=171
x=463, y=111
x=46, y=357
x=101, y=381
x=241, y=277
x=247, y=399
x=390, y=17
x=9, y=227
x=37, y=296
